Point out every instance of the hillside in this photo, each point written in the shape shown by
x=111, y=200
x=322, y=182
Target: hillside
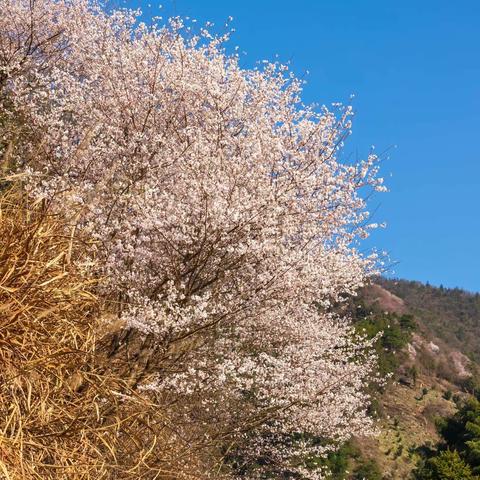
x=431, y=371
x=451, y=314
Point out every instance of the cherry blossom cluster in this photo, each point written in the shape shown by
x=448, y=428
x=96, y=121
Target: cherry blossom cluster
x=226, y=223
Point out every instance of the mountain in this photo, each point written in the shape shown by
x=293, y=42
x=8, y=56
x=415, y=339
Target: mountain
x=436, y=331
x=451, y=314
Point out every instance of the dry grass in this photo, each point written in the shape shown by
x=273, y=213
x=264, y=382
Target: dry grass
x=65, y=412
x=408, y=423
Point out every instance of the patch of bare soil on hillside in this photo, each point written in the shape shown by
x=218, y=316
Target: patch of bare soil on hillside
x=385, y=300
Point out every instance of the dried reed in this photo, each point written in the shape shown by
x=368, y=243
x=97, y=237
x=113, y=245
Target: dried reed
x=65, y=410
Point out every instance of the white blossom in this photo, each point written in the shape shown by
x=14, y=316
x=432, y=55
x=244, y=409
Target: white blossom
x=226, y=223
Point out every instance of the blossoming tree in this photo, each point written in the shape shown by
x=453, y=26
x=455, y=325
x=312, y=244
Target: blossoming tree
x=226, y=225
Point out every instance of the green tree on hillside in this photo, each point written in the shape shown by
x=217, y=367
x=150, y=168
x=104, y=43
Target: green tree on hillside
x=367, y=471
x=395, y=332
x=448, y=465
x=459, y=455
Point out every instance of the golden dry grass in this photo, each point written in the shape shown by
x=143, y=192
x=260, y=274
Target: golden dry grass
x=65, y=412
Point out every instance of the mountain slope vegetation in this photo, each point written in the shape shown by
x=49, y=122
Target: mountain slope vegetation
x=430, y=374
x=451, y=314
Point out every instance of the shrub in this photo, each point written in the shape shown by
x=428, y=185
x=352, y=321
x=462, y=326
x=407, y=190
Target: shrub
x=446, y=466
x=447, y=395
x=367, y=471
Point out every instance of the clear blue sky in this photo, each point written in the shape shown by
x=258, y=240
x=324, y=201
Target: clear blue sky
x=414, y=67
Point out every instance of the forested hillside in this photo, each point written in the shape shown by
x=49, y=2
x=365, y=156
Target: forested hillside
x=430, y=380
x=451, y=313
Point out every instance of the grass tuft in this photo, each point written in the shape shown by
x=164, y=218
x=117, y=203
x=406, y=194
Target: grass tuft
x=65, y=410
